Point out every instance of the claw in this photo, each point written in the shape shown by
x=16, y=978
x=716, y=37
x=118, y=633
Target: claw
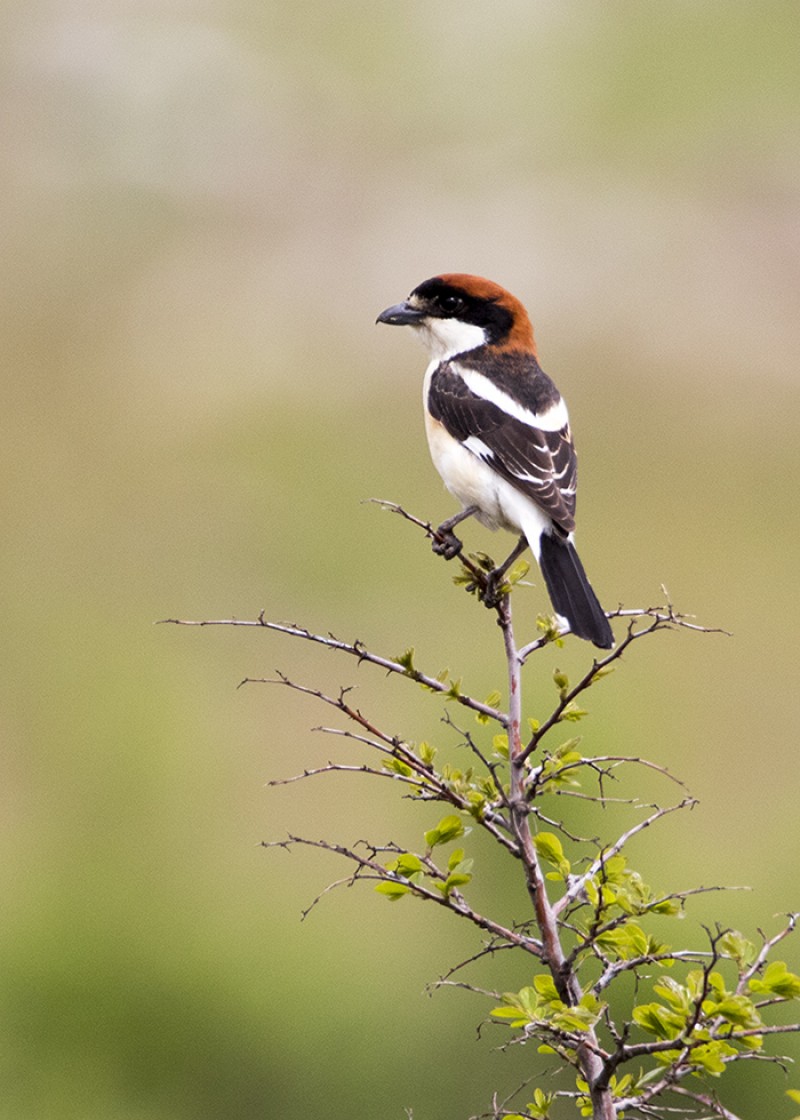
x=493, y=591
x=446, y=543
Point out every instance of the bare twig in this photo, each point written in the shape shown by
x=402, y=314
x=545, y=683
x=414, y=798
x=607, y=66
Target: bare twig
x=341, y=768
x=370, y=868
x=489, y=949
x=496, y=996
x=707, y=1101
x=355, y=649
x=478, y=574
x=394, y=747
x=579, y=884
x=767, y=946
x=606, y=764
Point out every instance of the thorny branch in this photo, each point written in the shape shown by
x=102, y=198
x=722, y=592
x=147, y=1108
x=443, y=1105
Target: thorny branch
x=368, y=867
x=427, y=782
x=356, y=649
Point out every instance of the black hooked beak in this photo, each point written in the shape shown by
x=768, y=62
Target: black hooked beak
x=401, y=315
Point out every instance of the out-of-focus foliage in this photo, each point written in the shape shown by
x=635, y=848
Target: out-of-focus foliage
x=204, y=206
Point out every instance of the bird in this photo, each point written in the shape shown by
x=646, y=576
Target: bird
x=499, y=435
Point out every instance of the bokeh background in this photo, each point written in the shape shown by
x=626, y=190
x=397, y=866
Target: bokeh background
x=204, y=207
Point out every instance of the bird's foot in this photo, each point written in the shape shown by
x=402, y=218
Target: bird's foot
x=495, y=588
x=446, y=543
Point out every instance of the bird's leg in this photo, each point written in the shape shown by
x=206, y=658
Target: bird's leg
x=494, y=578
x=445, y=542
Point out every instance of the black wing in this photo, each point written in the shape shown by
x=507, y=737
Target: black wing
x=541, y=464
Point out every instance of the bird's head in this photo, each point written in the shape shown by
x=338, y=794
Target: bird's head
x=456, y=313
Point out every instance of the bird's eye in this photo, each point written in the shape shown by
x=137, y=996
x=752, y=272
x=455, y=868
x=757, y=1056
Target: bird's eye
x=451, y=305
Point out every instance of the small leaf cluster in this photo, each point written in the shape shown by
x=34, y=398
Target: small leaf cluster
x=472, y=575
x=408, y=870
x=537, y=1109
x=540, y=1006
x=709, y=1022
x=685, y=1016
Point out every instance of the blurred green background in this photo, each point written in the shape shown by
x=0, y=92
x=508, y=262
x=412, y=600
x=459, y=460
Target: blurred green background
x=204, y=207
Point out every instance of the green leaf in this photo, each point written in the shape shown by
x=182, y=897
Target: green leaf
x=626, y=942
x=455, y=879
x=572, y=713
x=539, y=1107
x=589, y=1002
x=549, y=847
x=518, y=572
x=558, y=769
x=456, y=857
x=500, y=745
x=427, y=753
x=393, y=891
x=737, y=946
x=519, y=1008
x=483, y=560
x=549, y=629
x=751, y=1042
x=778, y=981
x=449, y=828
x=406, y=865
x=545, y=988
x=658, y=1020
x=568, y=747
x=397, y=766
x=710, y=1057
x=505, y=1012
x=561, y=681
x=574, y=1019
x=667, y=907
x=737, y=1010
x=620, y=1088
x=406, y=659
x=491, y=701
x=678, y=996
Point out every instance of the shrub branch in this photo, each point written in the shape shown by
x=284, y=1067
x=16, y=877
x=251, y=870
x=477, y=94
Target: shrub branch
x=587, y=923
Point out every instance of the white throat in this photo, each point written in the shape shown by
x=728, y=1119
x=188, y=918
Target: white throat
x=445, y=338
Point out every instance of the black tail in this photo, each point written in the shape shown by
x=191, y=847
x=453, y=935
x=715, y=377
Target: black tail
x=571, y=593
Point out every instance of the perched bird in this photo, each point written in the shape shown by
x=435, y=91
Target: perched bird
x=498, y=433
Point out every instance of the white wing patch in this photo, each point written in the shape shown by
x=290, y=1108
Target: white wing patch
x=478, y=447
x=553, y=419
